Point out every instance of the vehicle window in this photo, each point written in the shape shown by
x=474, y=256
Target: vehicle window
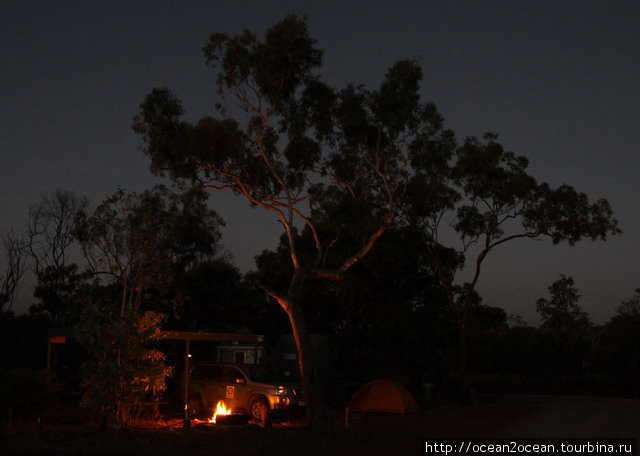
x=206, y=373
x=216, y=374
x=258, y=374
x=196, y=373
x=230, y=374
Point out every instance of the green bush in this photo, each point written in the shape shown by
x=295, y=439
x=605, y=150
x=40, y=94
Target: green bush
x=122, y=369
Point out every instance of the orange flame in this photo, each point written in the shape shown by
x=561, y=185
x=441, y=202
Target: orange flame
x=221, y=409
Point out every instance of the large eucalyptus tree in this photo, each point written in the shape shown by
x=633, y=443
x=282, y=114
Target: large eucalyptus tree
x=298, y=148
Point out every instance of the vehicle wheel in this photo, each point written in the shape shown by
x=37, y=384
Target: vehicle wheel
x=259, y=409
x=194, y=405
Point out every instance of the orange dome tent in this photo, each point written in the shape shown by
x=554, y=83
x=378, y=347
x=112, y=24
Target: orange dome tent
x=383, y=396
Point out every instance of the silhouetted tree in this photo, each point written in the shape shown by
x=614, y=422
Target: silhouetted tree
x=214, y=297
x=486, y=196
x=618, y=355
x=14, y=267
x=57, y=291
x=141, y=241
x=302, y=145
x=50, y=240
x=566, y=324
x=562, y=314
x=134, y=244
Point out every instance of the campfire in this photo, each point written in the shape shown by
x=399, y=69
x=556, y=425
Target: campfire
x=224, y=416
x=221, y=409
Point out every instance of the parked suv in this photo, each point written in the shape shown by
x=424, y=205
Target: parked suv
x=244, y=389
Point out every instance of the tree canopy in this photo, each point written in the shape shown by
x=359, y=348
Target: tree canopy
x=339, y=165
x=484, y=196
x=135, y=246
x=140, y=241
x=301, y=149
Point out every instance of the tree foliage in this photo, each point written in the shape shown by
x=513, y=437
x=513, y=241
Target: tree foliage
x=566, y=324
x=214, y=297
x=484, y=195
x=139, y=241
x=58, y=290
x=122, y=370
x=135, y=244
x=561, y=313
x=618, y=354
x=489, y=198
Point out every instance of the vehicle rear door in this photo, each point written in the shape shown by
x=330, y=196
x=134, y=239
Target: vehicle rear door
x=205, y=379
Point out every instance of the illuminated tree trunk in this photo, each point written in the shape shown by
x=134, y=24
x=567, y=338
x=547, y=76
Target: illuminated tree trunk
x=311, y=385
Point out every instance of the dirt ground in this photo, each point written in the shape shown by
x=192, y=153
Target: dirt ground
x=496, y=416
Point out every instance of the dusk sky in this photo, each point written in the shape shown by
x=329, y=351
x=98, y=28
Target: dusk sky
x=558, y=81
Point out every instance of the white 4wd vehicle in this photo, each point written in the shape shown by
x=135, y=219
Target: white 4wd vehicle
x=244, y=389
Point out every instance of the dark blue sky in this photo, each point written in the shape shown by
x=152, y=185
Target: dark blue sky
x=558, y=81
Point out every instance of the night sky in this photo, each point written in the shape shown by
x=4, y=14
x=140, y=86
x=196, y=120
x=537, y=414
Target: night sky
x=558, y=81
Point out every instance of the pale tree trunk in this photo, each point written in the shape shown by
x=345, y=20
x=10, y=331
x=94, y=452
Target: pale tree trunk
x=316, y=409
x=312, y=387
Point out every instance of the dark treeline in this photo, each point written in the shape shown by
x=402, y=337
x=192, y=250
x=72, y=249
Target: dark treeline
x=387, y=319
